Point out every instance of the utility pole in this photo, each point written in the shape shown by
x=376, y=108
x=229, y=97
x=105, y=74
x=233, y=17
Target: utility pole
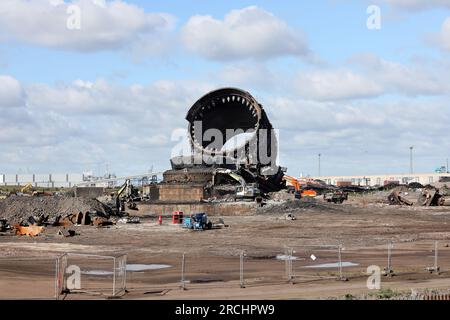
x=411, y=171
x=447, y=166
x=319, y=163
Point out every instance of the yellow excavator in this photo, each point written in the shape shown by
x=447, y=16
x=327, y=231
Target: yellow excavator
x=126, y=193
x=26, y=188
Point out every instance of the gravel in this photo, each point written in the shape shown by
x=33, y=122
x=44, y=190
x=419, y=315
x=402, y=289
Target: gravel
x=298, y=205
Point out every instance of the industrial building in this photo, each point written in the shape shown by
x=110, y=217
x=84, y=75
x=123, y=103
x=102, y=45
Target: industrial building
x=379, y=180
x=49, y=180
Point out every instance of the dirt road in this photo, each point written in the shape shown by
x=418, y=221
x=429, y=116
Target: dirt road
x=212, y=257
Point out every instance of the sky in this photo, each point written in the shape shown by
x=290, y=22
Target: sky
x=101, y=86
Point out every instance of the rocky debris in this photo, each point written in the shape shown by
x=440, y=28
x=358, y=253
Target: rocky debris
x=282, y=195
x=297, y=205
x=4, y=226
x=133, y=220
x=290, y=216
x=431, y=197
x=415, y=185
x=44, y=210
x=66, y=233
x=396, y=198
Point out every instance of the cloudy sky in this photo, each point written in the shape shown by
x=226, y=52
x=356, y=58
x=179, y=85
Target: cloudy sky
x=107, y=93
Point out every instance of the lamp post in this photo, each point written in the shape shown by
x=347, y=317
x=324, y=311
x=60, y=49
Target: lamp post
x=411, y=160
x=319, y=163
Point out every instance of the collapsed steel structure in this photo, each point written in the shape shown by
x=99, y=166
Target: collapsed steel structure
x=223, y=115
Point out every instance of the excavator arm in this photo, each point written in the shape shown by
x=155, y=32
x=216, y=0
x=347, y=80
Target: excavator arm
x=26, y=188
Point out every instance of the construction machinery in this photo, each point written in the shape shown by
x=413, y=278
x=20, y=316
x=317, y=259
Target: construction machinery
x=26, y=188
x=127, y=194
x=249, y=191
x=197, y=221
x=336, y=197
x=293, y=186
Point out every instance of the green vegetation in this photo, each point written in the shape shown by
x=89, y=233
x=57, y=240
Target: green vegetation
x=384, y=294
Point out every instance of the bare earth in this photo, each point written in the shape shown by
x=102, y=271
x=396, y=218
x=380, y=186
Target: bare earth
x=361, y=226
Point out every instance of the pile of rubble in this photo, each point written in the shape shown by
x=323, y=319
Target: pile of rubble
x=17, y=209
x=292, y=206
x=29, y=215
x=428, y=196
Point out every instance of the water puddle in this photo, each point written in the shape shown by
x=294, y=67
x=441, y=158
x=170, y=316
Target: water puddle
x=130, y=268
x=333, y=265
x=144, y=267
x=97, y=272
x=285, y=257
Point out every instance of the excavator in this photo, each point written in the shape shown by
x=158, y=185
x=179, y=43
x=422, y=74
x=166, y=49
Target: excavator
x=293, y=186
x=244, y=190
x=26, y=188
x=126, y=193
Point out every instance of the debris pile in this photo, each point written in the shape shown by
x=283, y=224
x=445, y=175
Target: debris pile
x=290, y=206
x=30, y=215
x=396, y=198
x=50, y=209
x=431, y=197
x=428, y=196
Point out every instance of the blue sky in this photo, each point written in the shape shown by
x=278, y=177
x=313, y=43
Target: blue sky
x=111, y=93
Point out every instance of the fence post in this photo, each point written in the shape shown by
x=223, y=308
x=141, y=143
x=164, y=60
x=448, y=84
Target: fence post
x=183, y=261
x=286, y=263
x=291, y=258
x=114, y=278
x=435, y=268
x=289, y=252
x=341, y=276
x=388, y=271
x=241, y=269
x=56, y=279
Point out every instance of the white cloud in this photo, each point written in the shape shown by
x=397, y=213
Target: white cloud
x=335, y=85
x=246, y=75
x=11, y=93
x=104, y=25
x=246, y=33
x=415, y=5
x=442, y=39
x=75, y=126
x=83, y=125
x=360, y=137
x=412, y=79
x=369, y=76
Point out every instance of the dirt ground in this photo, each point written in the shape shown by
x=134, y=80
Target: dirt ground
x=363, y=227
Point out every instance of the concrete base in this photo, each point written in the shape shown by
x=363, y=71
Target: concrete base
x=211, y=209
x=181, y=192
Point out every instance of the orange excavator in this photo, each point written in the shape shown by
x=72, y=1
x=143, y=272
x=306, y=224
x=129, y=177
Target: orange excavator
x=293, y=185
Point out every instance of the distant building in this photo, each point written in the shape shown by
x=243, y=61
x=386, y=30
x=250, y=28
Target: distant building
x=379, y=180
x=48, y=180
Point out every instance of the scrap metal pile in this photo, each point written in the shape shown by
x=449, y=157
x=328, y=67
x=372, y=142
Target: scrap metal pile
x=30, y=215
x=429, y=196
